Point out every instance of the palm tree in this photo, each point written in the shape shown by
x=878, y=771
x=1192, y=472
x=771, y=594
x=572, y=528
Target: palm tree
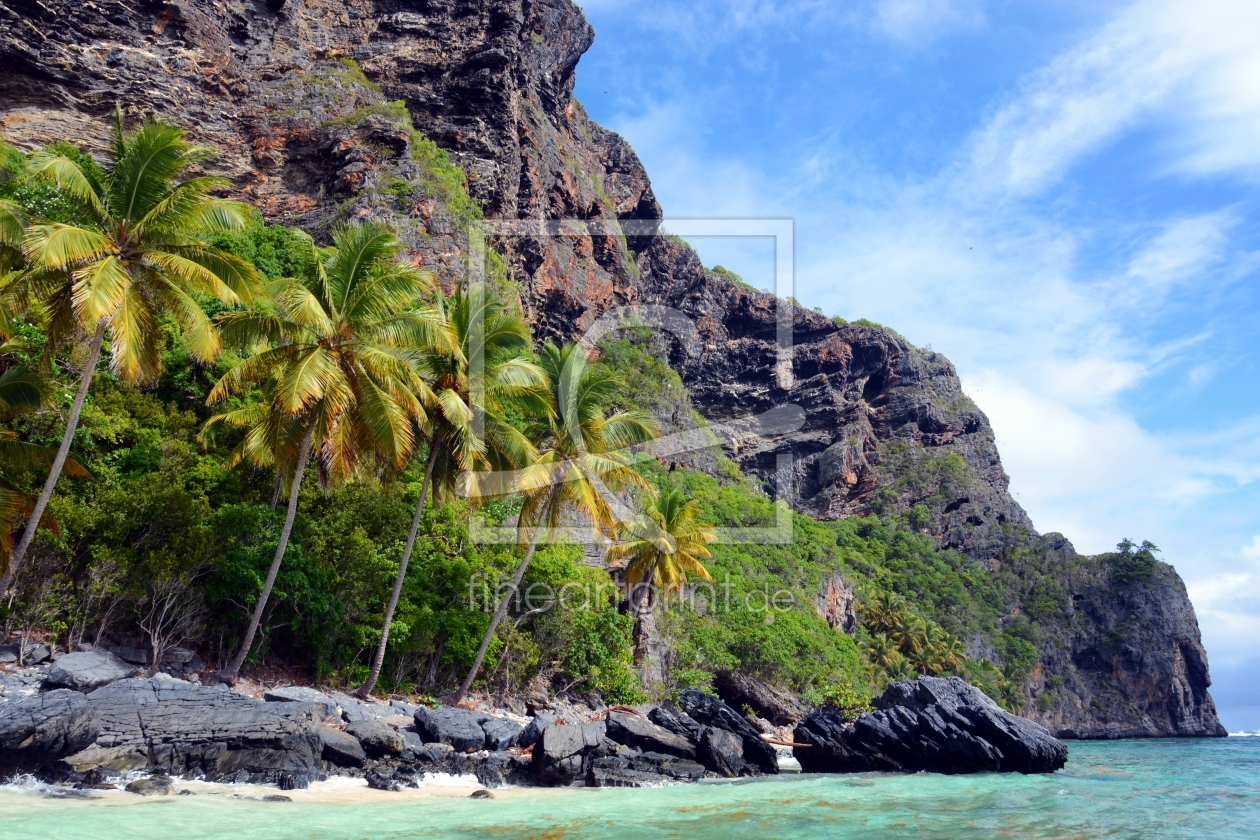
x=337, y=357
x=880, y=650
x=144, y=254
x=21, y=391
x=663, y=545
x=884, y=610
x=579, y=456
x=468, y=432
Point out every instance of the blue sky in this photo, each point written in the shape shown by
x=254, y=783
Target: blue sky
x=1061, y=196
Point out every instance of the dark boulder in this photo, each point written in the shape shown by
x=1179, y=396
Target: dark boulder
x=929, y=724
x=502, y=768
x=713, y=712
x=43, y=728
x=780, y=707
x=534, y=729
x=389, y=778
x=181, y=729
x=447, y=725
x=88, y=671
x=561, y=754
x=302, y=694
x=341, y=749
x=152, y=786
x=632, y=768
x=678, y=722
x=378, y=739
x=723, y=753
x=501, y=733
x=636, y=731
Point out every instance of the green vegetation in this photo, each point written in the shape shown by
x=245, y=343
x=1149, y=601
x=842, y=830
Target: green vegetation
x=1131, y=562
x=349, y=359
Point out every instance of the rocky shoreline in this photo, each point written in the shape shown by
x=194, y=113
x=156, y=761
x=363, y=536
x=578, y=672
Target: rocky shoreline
x=87, y=722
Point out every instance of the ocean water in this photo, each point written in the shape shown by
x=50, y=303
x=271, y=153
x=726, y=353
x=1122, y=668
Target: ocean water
x=1130, y=789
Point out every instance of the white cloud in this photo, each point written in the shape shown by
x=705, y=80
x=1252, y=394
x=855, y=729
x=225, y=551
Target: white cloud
x=1192, y=64
x=1181, y=253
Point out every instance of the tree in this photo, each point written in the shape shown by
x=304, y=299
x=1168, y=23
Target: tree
x=580, y=457
x=338, y=351
x=141, y=256
x=468, y=433
x=663, y=545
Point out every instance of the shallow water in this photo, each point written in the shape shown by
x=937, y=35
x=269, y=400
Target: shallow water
x=1133, y=789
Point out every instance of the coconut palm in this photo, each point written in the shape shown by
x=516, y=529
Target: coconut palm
x=880, y=650
x=143, y=255
x=337, y=355
x=468, y=431
x=883, y=612
x=20, y=390
x=580, y=457
x=663, y=545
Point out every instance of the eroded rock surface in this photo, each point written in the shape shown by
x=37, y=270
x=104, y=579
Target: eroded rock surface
x=933, y=724
x=38, y=730
x=170, y=726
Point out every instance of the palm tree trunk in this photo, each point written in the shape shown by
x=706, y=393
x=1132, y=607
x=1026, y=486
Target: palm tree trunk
x=644, y=615
x=379, y=660
x=230, y=674
x=63, y=452
x=503, y=605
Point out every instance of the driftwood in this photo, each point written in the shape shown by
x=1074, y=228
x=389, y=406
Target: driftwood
x=770, y=740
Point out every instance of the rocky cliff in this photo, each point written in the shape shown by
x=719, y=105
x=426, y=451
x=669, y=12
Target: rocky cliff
x=326, y=111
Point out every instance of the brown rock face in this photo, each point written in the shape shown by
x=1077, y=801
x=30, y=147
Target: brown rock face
x=315, y=107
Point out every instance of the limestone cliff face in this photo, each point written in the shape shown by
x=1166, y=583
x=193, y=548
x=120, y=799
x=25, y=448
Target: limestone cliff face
x=302, y=98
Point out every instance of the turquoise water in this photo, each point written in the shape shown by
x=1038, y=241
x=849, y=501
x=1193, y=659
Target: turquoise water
x=1135, y=789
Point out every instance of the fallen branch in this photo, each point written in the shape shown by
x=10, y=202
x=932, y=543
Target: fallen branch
x=770, y=740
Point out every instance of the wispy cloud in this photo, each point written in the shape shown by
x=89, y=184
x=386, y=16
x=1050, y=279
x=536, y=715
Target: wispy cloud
x=1056, y=307
x=1192, y=64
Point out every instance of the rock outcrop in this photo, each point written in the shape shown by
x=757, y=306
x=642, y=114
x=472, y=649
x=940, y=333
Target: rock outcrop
x=779, y=707
x=932, y=724
x=38, y=730
x=711, y=712
x=325, y=111
x=166, y=725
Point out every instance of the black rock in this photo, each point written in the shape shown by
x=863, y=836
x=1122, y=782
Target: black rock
x=774, y=704
x=534, y=729
x=43, y=728
x=378, y=739
x=933, y=724
x=678, y=722
x=501, y=733
x=502, y=768
x=340, y=748
x=723, y=753
x=640, y=732
x=174, y=727
x=153, y=786
x=458, y=727
x=713, y=712
x=383, y=778
x=560, y=755
x=631, y=768
x=88, y=671
x=432, y=753
x=302, y=694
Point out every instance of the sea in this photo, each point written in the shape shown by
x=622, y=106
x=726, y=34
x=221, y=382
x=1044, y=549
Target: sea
x=1123, y=789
